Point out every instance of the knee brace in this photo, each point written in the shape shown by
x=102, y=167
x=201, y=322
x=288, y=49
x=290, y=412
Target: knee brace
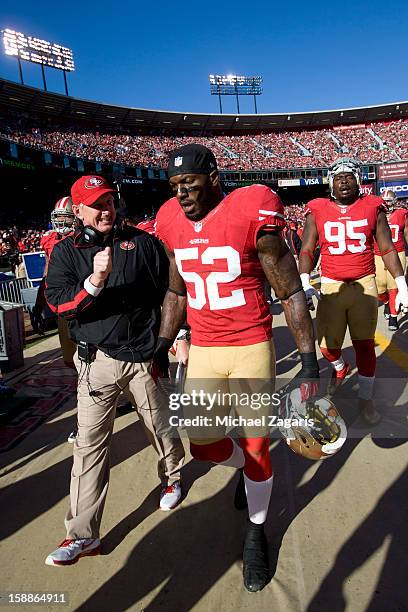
x=365, y=356
x=258, y=465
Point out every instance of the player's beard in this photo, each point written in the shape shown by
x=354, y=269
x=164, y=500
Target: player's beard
x=345, y=200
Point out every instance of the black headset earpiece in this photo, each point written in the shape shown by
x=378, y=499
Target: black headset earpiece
x=87, y=236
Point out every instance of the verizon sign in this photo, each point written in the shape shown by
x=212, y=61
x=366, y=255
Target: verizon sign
x=367, y=189
x=393, y=171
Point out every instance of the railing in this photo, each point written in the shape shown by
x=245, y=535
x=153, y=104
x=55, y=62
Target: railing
x=10, y=291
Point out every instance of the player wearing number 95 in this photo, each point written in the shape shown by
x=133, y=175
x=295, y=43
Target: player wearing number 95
x=345, y=226
x=220, y=250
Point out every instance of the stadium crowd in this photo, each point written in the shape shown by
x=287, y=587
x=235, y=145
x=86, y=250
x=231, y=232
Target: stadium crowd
x=276, y=150
x=20, y=240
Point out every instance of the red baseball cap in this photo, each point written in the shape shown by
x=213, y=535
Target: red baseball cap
x=87, y=189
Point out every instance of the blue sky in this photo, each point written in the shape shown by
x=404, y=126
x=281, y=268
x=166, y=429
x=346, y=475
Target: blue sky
x=317, y=55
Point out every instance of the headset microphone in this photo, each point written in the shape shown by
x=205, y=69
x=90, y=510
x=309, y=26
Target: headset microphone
x=87, y=236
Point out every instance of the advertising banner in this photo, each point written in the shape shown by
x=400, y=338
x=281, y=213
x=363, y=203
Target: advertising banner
x=393, y=171
x=368, y=189
x=288, y=182
x=303, y=182
x=130, y=180
x=346, y=128
x=314, y=180
x=368, y=176
x=400, y=188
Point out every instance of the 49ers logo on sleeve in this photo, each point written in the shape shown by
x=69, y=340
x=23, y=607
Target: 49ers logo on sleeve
x=94, y=181
x=127, y=246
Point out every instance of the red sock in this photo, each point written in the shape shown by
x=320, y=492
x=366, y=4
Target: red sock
x=365, y=356
x=383, y=297
x=214, y=451
x=330, y=354
x=393, y=295
x=258, y=465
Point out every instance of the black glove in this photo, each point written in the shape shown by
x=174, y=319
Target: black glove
x=308, y=376
x=160, y=362
x=37, y=321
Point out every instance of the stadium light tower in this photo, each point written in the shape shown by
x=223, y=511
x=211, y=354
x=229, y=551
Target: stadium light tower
x=233, y=85
x=38, y=51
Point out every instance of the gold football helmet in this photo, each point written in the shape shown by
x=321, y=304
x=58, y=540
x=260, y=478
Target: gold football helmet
x=315, y=429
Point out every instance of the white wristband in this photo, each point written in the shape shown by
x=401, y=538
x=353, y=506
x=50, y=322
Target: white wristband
x=90, y=288
x=305, y=278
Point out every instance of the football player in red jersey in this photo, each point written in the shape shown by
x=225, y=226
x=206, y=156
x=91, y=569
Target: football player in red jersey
x=63, y=223
x=220, y=250
x=345, y=226
x=148, y=225
x=397, y=216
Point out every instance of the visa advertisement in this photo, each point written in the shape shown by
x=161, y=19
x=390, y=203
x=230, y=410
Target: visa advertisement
x=304, y=182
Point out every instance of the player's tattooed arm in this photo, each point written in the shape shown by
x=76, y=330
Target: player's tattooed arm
x=174, y=304
x=281, y=272
x=309, y=239
x=386, y=246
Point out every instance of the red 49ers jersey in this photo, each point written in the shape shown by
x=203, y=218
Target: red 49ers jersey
x=396, y=221
x=346, y=236
x=48, y=241
x=148, y=226
x=218, y=260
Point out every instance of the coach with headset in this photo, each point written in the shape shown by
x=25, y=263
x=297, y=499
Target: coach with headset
x=109, y=283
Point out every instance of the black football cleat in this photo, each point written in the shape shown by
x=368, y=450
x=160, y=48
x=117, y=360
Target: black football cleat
x=386, y=311
x=393, y=324
x=256, y=570
x=368, y=412
x=240, y=498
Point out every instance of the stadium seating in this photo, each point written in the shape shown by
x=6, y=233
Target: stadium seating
x=302, y=149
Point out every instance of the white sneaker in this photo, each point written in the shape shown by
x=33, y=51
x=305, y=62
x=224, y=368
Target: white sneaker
x=69, y=551
x=170, y=496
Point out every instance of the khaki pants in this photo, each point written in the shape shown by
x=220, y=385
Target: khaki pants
x=96, y=414
x=234, y=372
x=383, y=278
x=353, y=305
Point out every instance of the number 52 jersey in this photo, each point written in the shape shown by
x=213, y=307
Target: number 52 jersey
x=346, y=236
x=218, y=261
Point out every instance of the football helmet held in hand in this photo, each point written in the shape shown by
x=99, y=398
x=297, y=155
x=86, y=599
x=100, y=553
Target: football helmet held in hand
x=315, y=428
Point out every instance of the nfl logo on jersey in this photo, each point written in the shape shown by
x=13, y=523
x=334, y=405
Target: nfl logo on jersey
x=178, y=161
x=198, y=226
